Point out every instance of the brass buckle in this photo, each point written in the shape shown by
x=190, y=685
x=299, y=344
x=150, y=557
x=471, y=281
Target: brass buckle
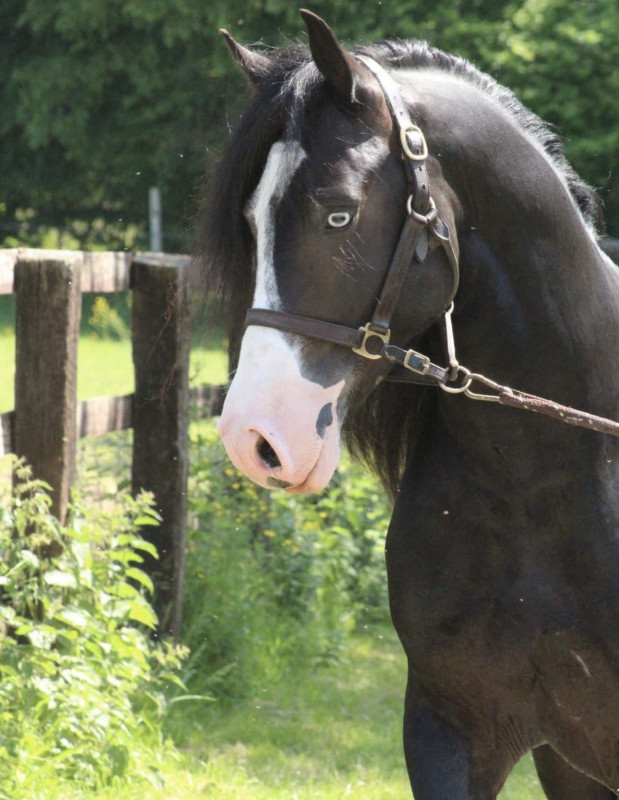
x=425, y=362
x=406, y=146
x=368, y=333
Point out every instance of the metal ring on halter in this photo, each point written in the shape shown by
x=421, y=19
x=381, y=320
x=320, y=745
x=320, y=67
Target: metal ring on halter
x=423, y=219
x=467, y=380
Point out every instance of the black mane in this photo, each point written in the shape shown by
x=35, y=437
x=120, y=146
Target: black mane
x=382, y=430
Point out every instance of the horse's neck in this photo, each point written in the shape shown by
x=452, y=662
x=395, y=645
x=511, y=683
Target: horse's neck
x=534, y=302
x=537, y=310
x=530, y=461
x=539, y=302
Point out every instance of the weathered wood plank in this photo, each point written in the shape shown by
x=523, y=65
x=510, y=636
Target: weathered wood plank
x=47, y=320
x=160, y=419
x=7, y=265
x=101, y=271
x=106, y=272
x=99, y=415
x=6, y=433
x=207, y=400
x=162, y=260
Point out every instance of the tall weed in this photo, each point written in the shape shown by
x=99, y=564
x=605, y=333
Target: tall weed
x=82, y=686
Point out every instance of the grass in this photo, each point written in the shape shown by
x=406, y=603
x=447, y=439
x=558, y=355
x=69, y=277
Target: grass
x=104, y=362
x=323, y=733
x=320, y=733
x=105, y=367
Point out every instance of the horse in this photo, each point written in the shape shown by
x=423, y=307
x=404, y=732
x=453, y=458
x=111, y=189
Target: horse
x=396, y=240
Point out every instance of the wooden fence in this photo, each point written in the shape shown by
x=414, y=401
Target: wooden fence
x=47, y=420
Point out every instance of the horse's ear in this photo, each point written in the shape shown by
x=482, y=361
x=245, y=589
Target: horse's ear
x=254, y=65
x=343, y=72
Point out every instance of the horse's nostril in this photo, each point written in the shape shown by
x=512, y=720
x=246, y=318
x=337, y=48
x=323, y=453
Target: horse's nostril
x=267, y=454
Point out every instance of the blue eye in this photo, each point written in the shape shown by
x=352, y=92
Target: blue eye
x=339, y=219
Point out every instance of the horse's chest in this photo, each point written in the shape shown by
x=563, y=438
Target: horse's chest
x=503, y=640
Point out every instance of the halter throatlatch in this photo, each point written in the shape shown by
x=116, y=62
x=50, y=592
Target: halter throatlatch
x=422, y=223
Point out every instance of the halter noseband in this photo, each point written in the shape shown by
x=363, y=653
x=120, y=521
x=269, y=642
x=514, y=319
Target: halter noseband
x=422, y=224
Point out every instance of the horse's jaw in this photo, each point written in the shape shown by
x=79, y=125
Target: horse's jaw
x=279, y=428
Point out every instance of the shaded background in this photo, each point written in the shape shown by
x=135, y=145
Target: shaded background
x=102, y=99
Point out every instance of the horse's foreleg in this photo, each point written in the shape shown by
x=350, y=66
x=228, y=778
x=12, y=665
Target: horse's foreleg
x=560, y=781
x=441, y=762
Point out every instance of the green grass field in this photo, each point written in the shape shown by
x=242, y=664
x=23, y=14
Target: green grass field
x=320, y=733
x=104, y=361
x=105, y=368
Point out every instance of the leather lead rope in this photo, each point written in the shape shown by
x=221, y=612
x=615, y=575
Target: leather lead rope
x=524, y=401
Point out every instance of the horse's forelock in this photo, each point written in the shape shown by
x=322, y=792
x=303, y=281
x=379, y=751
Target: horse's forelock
x=224, y=262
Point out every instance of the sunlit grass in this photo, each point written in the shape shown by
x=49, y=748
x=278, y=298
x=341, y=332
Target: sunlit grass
x=105, y=367
x=321, y=733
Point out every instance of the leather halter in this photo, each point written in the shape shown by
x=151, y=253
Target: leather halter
x=422, y=229
x=372, y=339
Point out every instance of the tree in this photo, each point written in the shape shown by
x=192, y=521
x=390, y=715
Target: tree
x=562, y=59
x=100, y=100
x=104, y=99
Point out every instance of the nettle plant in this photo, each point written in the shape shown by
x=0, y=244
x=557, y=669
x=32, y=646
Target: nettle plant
x=81, y=680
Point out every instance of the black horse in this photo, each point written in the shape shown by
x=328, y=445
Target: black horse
x=366, y=200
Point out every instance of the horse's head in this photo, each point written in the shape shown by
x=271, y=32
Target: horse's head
x=327, y=216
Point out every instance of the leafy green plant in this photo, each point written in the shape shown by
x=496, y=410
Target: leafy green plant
x=82, y=685
x=276, y=578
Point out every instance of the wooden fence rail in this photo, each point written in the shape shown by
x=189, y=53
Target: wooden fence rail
x=47, y=420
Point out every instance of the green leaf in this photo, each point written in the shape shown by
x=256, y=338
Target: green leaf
x=142, y=612
x=192, y=697
x=73, y=617
x=141, y=577
x=148, y=519
x=56, y=577
x=148, y=547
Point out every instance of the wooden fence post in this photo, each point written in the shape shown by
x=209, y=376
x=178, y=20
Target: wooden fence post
x=160, y=332
x=48, y=312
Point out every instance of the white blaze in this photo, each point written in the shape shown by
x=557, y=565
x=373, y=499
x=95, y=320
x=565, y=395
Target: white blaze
x=269, y=398
x=283, y=161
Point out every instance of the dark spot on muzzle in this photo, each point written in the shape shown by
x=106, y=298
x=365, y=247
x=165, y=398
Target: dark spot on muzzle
x=325, y=418
x=275, y=483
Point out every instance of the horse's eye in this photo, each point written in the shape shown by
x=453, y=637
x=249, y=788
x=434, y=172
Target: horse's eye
x=339, y=219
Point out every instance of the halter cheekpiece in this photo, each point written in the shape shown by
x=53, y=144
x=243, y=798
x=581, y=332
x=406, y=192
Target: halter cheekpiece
x=372, y=340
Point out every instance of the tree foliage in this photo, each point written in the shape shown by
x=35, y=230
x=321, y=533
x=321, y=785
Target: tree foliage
x=101, y=100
